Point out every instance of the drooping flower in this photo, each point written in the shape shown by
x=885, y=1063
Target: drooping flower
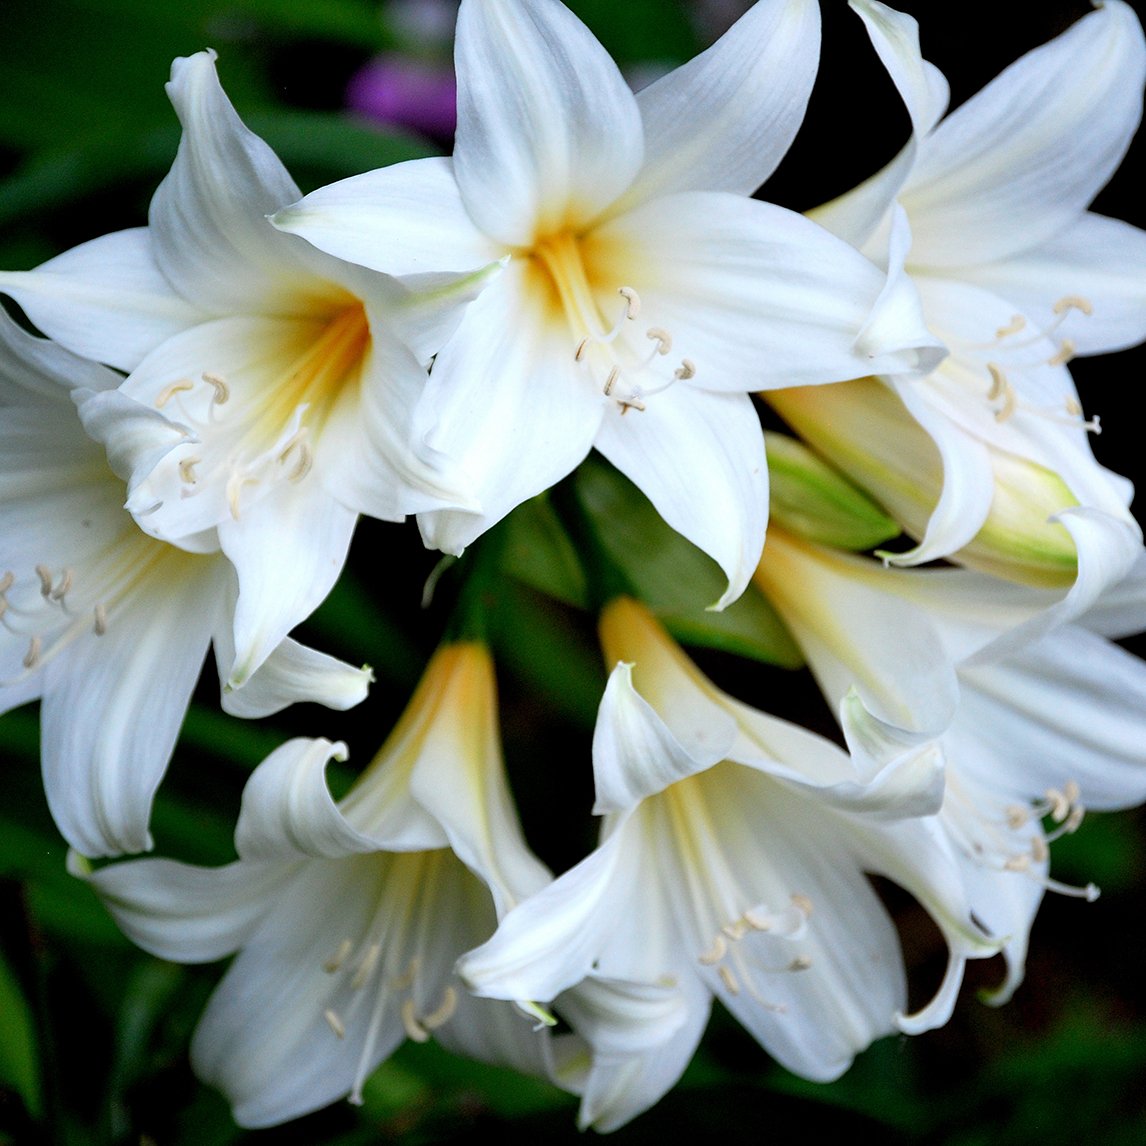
x=1037, y=715
x=348, y=918
x=644, y=292
x=732, y=866
x=269, y=392
x=107, y=625
x=985, y=212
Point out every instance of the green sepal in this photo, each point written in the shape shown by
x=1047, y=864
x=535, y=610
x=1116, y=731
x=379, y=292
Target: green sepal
x=811, y=499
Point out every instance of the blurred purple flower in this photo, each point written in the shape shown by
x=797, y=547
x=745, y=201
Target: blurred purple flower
x=408, y=93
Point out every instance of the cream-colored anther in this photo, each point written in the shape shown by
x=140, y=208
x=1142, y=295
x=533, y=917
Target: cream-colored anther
x=611, y=381
x=1072, y=791
x=1066, y=352
x=800, y=963
x=339, y=957
x=443, y=1012
x=627, y=404
x=999, y=383
x=1040, y=853
x=715, y=953
x=169, y=392
x=736, y=930
x=661, y=337
x=45, y=575
x=1059, y=805
x=632, y=300
x=1017, y=323
x=405, y=981
x=187, y=470
x=335, y=1023
x=582, y=346
x=758, y=920
x=1018, y=863
x=369, y=962
x=1072, y=407
x=32, y=656
x=65, y=583
x=99, y=620
x=7, y=581
x=219, y=384
x=302, y=465
x=685, y=371
x=802, y=903
x=1073, y=302
x=414, y=1030
x=1017, y=815
x=729, y=980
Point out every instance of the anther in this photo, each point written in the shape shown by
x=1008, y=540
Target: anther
x=611, y=381
x=1059, y=805
x=715, y=953
x=1018, y=863
x=443, y=1012
x=579, y=353
x=628, y=404
x=661, y=337
x=219, y=384
x=414, y=1030
x=632, y=299
x=1073, y=302
x=1066, y=352
x=729, y=980
x=369, y=960
x=339, y=957
x=802, y=903
x=335, y=1023
x=685, y=371
x=61, y=590
x=303, y=466
x=1016, y=815
x=758, y=920
x=800, y=963
x=736, y=930
x=1017, y=323
x=32, y=656
x=169, y=392
x=45, y=575
x=187, y=470
x=7, y=581
x=999, y=383
x=1040, y=853
x=1072, y=791
x=406, y=980
x=99, y=622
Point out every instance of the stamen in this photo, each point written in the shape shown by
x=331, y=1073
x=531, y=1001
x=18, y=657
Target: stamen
x=579, y=353
x=1066, y=352
x=758, y=920
x=633, y=300
x=716, y=952
x=414, y=1030
x=335, y=1023
x=1059, y=805
x=1073, y=302
x=169, y=392
x=339, y=957
x=187, y=470
x=32, y=656
x=611, y=381
x=729, y=980
x=802, y=903
x=736, y=930
x=99, y=624
x=685, y=371
x=661, y=337
x=45, y=575
x=1017, y=323
x=219, y=384
x=405, y=981
x=1040, y=853
x=369, y=960
x=61, y=590
x=7, y=581
x=999, y=383
x=444, y=1011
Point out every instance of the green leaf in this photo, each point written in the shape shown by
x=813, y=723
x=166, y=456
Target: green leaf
x=19, y=1051
x=537, y=551
x=810, y=498
x=674, y=578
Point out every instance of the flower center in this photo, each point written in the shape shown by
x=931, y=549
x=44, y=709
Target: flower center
x=247, y=433
x=625, y=373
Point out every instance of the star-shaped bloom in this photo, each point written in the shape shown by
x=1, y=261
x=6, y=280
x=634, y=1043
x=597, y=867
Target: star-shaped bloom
x=644, y=292
x=348, y=918
x=732, y=865
x=106, y=624
x=269, y=394
x=985, y=212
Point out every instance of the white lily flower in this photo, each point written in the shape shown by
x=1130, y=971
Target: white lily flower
x=269, y=393
x=104, y=623
x=985, y=212
x=348, y=918
x=732, y=865
x=1034, y=719
x=644, y=292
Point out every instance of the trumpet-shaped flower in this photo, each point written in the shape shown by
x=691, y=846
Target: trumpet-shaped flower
x=732, y=866
x=348, y=918
x=108, y=625
x=269, y=393
x=1034, y=719
x=985, y=212
x=643, y=291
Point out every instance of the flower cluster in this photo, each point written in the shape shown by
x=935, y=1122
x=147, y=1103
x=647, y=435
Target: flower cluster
x=213, y=400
